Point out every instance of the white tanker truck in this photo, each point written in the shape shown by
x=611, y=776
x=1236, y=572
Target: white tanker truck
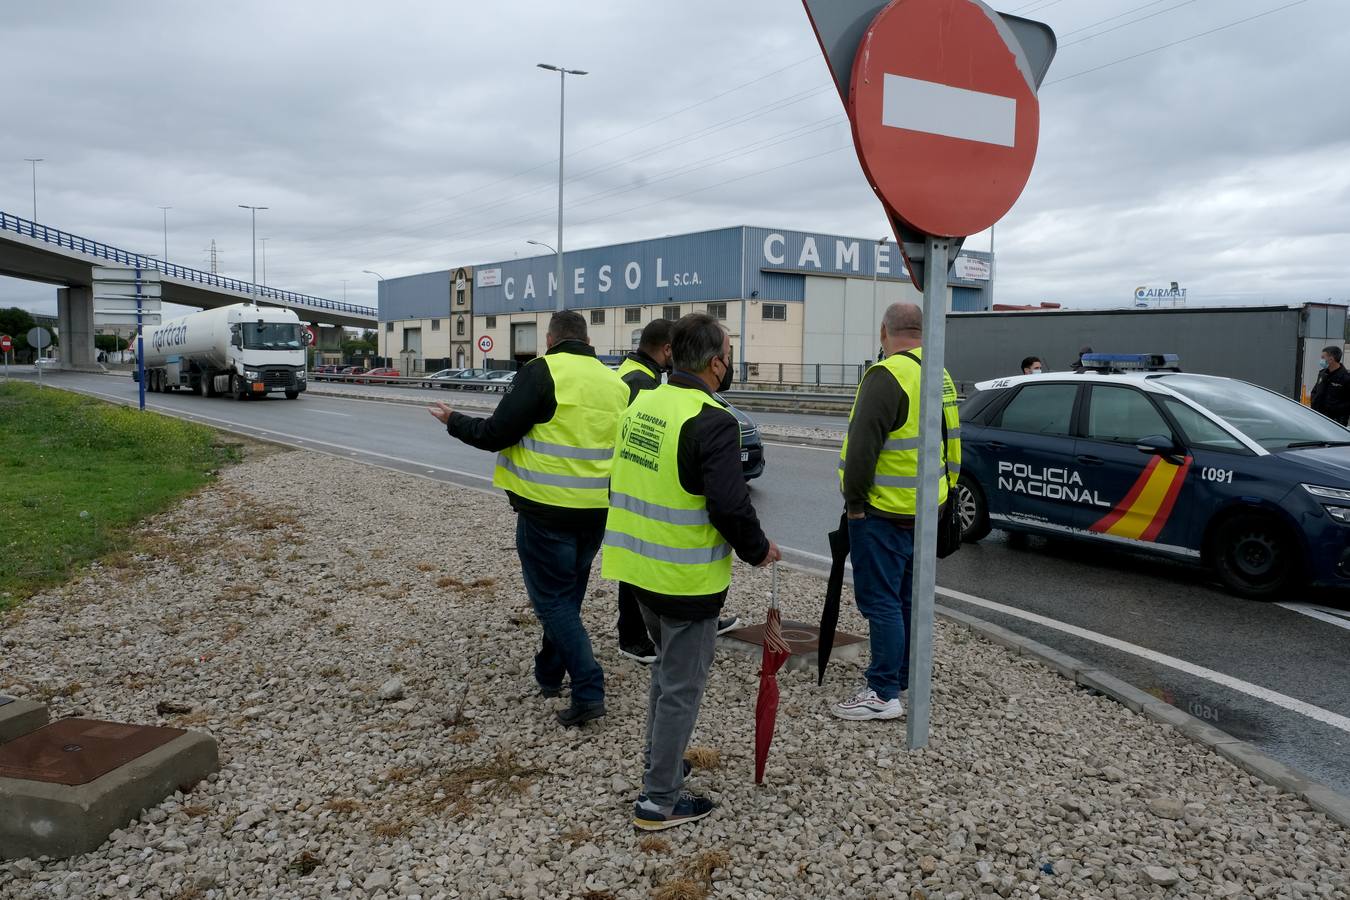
x=241, y=350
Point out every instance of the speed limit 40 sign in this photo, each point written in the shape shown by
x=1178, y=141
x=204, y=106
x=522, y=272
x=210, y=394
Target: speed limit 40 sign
x=485, y=343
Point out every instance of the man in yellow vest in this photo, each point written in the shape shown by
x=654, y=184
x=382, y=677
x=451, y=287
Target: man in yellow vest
x=641, y=371
x=878, y=475
x=678, y=509
x=553, y=433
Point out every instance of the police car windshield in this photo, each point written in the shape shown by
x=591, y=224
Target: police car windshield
x=271, y=336
x=1274, y=422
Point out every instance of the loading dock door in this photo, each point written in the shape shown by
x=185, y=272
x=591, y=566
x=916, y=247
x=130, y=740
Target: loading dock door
x=524, y=345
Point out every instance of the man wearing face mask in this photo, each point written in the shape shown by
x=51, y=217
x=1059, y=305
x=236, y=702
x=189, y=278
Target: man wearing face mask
x=1331, y=394
x=641, y=370
x=678, y=509
x=1032, y=366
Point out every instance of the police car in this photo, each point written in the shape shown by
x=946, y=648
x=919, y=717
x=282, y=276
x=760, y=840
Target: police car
x=1133, y=452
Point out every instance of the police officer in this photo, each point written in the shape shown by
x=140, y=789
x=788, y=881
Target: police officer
x=878, y=474
x=1331, y=394
x=678, y=509
x=553, y=433
x=641, y=370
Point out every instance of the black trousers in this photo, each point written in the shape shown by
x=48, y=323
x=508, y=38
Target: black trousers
x=632, y=629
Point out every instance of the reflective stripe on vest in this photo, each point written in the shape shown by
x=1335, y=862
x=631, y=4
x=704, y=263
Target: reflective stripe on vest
x=658, y=536
x=895, y=482
x=565, y=461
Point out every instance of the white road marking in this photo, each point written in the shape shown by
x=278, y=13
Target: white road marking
x=1338, y=617
x=1293, y=704
x=834, y=450
x=326, y=412
x=934, y=108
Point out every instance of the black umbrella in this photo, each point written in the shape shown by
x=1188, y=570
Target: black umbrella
x=834, y=588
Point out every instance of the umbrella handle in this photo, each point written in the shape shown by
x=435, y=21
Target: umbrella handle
x=773, y=585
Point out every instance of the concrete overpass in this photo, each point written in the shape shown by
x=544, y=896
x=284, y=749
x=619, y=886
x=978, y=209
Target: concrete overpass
x=35, y=252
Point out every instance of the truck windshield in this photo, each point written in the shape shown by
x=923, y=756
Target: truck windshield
x=271, y=336
x=1273, y=421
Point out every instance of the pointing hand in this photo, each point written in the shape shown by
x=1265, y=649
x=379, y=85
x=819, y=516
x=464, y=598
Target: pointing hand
x=440, y=412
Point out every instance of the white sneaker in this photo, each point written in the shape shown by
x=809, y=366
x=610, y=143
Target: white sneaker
x=867, y=705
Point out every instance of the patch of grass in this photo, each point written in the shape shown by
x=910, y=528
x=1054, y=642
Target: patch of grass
x=706, y=863
x=390, y=830
x=653, y=843
x=196, y=811
x=704, y=757
x=305, y=863
x=344, y=805
x=498, y=777
x=80, y=474
x=426, y=567
x=599, y=895
x=680, y=889
x=581, y=835
x=330, y=671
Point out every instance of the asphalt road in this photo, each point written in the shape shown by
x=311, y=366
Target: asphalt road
x=1275, y=676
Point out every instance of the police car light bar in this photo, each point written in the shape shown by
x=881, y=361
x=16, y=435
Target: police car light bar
x=1132, y=362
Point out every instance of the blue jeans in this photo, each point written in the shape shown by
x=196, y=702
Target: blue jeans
x=883, y=582
x=556, y=564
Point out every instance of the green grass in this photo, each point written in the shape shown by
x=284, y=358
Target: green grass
x=77, y=475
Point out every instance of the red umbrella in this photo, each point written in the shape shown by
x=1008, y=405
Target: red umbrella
x=776, y=652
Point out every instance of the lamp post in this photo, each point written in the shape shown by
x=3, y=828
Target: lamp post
x=264, y=241
x=554, y=251
x=379, y=332
x=562, y=108
x=35, y=160
x=254, y=211
x=165, y=210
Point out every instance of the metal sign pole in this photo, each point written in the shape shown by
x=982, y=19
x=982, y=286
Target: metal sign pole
x=931, y=469
x=140, y=344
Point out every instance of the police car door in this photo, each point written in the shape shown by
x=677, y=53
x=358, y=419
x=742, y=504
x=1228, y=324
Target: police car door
x=1133, y=495
x=1026, y=449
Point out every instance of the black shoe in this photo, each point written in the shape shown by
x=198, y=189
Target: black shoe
x=730, y=623
x=550, y=692
x=689, y=808
x=580, y=713
x=644, y=651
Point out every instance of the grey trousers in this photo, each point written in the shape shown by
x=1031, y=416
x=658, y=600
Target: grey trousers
x=684, y=655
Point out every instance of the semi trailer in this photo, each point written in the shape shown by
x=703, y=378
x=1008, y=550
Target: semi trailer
x=241, y=351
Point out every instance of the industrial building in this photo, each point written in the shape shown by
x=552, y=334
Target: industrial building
x=810, y=302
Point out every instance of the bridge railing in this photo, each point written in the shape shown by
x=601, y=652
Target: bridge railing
x=101, y=250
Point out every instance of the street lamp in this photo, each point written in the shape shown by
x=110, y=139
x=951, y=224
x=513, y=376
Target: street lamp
x=254, y=210
x=380, y=332
x=166, y=209
x=35, y=161
x=264, y=241
x=562, y=108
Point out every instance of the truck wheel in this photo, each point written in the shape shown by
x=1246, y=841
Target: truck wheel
x=237, y=388
x=1255, y=556
x=291, y=395
x=209, y=384
x=154, y=382
x=973, y=510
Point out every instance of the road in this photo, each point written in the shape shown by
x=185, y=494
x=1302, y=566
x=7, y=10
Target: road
x=1274, y=674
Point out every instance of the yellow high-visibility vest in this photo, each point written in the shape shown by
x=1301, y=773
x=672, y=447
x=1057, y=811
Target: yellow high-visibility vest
x=657, y=535
x=565, y=461
x=895, y=485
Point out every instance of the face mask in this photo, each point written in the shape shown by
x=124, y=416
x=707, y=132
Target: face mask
x=1035, y=371
x=1322, y=364
x=725, y=384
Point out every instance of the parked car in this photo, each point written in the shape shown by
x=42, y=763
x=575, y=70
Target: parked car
x=752, y=445
x=439, y=379
x=46, y=362
x=468, y=379
x=347, y=371
x=377, y=375
x=1196, y=468
x=498, y=379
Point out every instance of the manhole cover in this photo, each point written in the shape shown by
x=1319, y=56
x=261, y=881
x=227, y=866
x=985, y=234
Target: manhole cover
x=802, y=638
x=76, y=751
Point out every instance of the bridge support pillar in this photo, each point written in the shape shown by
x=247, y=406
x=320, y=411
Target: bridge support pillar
x=75, y=321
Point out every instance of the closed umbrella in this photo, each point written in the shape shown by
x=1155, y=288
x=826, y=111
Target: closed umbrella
x=834, y=588
x=776, y=652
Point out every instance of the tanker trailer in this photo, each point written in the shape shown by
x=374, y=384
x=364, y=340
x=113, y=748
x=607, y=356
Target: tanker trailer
x=241, y=350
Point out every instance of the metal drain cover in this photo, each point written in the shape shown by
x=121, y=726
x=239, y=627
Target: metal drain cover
x=802, y=638
x=77, y=751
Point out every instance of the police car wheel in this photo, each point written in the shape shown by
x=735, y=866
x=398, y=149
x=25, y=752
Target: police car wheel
x=1255, y=556
x=973, y=511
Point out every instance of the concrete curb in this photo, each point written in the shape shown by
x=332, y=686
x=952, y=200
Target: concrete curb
x=797, y=439
x=18, y=717
x=1332, y=804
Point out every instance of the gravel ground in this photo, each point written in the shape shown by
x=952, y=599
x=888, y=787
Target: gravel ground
x=359, y=643
x=793, y=432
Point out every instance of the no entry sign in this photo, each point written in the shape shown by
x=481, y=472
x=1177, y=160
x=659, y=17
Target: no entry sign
x=945, y=116
x=485, y=343
x=6, y=344
x=310, y=337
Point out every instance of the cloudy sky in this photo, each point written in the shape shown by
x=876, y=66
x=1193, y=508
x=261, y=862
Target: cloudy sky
x=404, y=137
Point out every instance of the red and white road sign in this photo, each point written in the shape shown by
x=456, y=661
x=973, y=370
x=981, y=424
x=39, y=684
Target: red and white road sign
x=485, y=343
x=310, y=337
x=945, y=115
x=6, y=343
